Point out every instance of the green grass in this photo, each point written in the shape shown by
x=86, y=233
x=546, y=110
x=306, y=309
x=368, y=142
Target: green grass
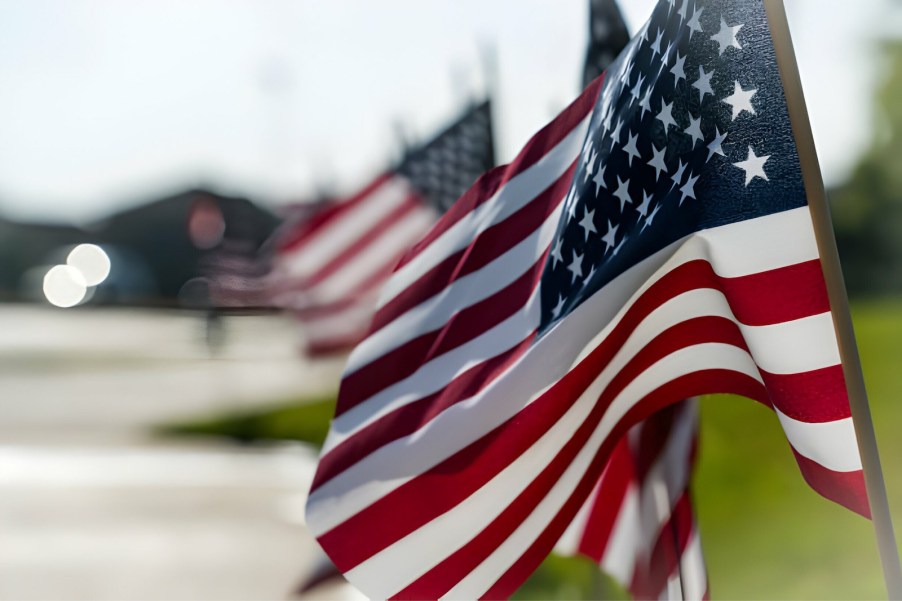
x=304, y=420
x=765, y=533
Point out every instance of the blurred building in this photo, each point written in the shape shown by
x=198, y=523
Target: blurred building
x=192, y=249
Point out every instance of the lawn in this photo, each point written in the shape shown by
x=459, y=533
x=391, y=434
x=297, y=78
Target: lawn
x=766, y=535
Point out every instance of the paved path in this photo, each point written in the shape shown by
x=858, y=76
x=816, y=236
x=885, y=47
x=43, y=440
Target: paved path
x=92, y=507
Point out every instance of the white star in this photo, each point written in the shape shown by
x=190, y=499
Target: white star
x=637, y=89
x=556, y=253
x=666, y=116
x=576, y=266
x=665, y=58
x=556, y=311
x=646, y=202
x=740, y=100
x=676, y=177
x=623, y=193
x=571, y=204
x=599, y=180
x=688, y=188
x=607, y=120
x=630, y=147
x=591, y=169
x=657, y=161
x=726, y=37
x=610, y=237
x=587, y=152
x=589, y=276
x=682, y=11
x=656, y=45
x=753, y=166
x=618, y=247
x=715, y=146
x=694, y=25
x=703, y=83
x=625, y=78
x=678, y=69
x=646, y=102
x=615, y=135
x=651, y=217
x=588, y=223
x=694, y=130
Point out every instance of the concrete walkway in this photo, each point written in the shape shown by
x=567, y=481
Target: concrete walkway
x=93, y=507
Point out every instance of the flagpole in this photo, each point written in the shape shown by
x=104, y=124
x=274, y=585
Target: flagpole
x=839, y=302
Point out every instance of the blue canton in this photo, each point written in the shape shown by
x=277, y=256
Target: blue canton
x=690, y=132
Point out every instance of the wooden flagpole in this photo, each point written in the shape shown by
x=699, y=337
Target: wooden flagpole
x=839, y=302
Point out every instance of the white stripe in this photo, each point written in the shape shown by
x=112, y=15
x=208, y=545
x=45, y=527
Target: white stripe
x=673, y=590
x=514, y=195
x=695, y=575
x=390, y=244
x=622, y=553
x=768, y=242
x=796, y=346
x=677, y=364
x=332, y=238
x=433, y=313
x=831, y=444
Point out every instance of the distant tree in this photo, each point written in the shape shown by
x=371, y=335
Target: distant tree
x=867, y=210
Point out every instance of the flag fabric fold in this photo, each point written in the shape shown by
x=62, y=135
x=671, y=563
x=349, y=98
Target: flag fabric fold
x=651, y=244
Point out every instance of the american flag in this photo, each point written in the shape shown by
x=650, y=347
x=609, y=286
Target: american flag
x=328, y=267
x=650, y=544
x=651, y=244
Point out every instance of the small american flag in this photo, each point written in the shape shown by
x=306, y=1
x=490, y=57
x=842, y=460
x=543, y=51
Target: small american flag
x=328, y=267
x=651, y=244
x=650, y=544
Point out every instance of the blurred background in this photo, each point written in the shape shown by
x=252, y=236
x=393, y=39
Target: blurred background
x=158, y=416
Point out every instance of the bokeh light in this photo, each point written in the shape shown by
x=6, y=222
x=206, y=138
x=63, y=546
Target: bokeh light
x=91, y=261
x=64, y=286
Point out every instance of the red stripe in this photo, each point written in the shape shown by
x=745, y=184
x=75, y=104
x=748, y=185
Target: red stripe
x=358, y=247
x=538, y=146
x=694, y=384
x=607, y=503
x=447, y=484
x=778, y=295
x=845, y=488
x=814, y=397
x=313, y=227
x=485, y=248
x=408, y=419
x=464, y=326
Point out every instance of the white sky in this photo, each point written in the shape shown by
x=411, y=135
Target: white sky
x=106, y=103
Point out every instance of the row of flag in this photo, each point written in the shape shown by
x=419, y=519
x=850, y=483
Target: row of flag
x=528, y=339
